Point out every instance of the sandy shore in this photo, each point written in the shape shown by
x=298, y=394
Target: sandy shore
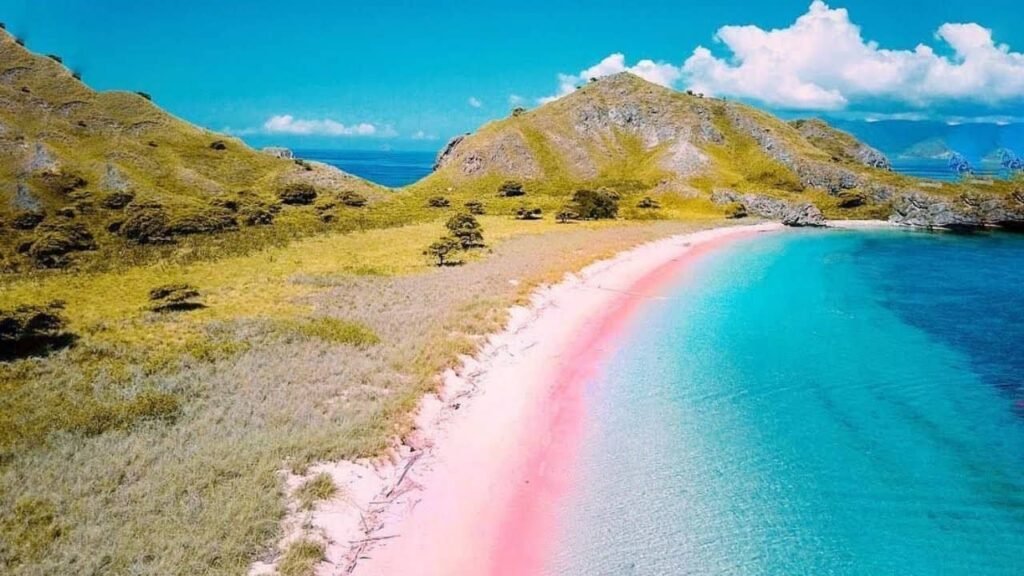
x=475, y=489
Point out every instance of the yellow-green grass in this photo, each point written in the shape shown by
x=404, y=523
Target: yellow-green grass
x=153, y=445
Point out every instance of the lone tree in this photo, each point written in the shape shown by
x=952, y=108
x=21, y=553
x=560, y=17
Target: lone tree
x=442, y=249
x=467, y=230
x=510, y=188
x=591, y=205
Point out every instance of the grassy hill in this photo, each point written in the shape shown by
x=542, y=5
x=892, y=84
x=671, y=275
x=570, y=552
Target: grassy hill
x=85, y=176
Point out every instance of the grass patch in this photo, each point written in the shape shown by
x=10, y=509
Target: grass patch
x=318, y=488
x=330, y=330
x=301, y=558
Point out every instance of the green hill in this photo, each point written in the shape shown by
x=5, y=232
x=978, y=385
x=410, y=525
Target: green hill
x=95, y=172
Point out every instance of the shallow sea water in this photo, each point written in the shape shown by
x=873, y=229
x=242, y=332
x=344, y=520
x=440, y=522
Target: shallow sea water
x=812, y=403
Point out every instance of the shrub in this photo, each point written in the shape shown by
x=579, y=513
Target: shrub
x=117, y=200
x=55, y=58
x=56, y=241
x=851, y=199
x=438, y=202
x=466, y=228
x=510, y=188
x=61, y=182
x=27, y=220
x=298, y=193
x=33, y=330
x=146, y=224
x=475, y=207
x=317, y=488
x=145, y=95
x=591, y=205
x=352, y=198
x=648, y=203
x=565, y=215
x=442, y=250
x=174, y=298
x=525, y=213
x=518, y=111
x=735, y=210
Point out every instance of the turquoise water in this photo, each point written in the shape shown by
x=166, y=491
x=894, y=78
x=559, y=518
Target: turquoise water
x=392, y=168
x=813, y=403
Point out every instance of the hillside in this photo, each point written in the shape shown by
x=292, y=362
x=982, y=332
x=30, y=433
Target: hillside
x=85, y=172
x=631, y=136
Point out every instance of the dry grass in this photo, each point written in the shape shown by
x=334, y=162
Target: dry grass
x=301, y=558
x=318, y=488
x=314, y=350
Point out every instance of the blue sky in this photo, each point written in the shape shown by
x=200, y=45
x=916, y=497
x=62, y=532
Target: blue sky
x=409, y=74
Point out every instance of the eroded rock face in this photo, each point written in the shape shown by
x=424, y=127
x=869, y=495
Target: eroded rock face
x=916, y=208
x=802, y=214
x=446, y=152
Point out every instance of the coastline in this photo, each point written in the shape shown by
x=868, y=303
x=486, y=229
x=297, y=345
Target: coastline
x=473, y=489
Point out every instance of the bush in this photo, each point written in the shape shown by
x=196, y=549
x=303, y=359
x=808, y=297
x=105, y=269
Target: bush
x=27, y=220
x=525, y=213
x=851, y=199
x=146, y=224
x=510, y=188
x=438, y=202
x=466, y=228
x=56, y=241
x=33, y=330
x=145, y=95
x=592, y=205
x=735, y=210
x=218, y=145
x=55, y=58
x=353, y=199
x=518, y=111
x=298, y=194
x=565, y=215
x=475, y=207
x=301, y=558
x=648, y=203
x=174, y=298
x=117, y=200
x=442, y=250
x=60, y=182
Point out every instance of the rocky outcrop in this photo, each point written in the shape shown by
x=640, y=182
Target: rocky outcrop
x=916, y=208
x=447, y=151
x=843, y=145
x=278, y=152
x=790, y=214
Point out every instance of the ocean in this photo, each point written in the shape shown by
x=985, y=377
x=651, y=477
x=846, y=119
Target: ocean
x=812, y=402
x=386, y=167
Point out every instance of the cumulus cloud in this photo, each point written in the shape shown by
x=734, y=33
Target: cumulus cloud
x=421, y=135
x=516, y=100
x=823, y=62
x=475, y=102
x=288, y=124
x=657, y=72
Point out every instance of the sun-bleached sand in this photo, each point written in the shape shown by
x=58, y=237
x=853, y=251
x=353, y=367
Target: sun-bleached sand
x=474, y=490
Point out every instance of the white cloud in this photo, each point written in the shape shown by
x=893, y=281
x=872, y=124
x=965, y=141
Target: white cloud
x=516, y=100
x=657, y=72
x=475, y=102
x=822, y=62
x=421, y=135
x=288, y=124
